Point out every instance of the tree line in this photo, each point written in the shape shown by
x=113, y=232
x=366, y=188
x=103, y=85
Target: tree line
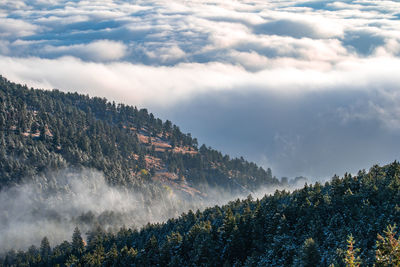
x=348, y=221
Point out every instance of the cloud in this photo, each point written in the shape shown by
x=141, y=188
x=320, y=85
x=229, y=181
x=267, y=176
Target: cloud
x=12, y=28
x=54, y=204
x=100, y=50
x=169, y=33
x=315, y=134
x=140, y=84
x=314, y=28
x=165, y=55
x=362, y=42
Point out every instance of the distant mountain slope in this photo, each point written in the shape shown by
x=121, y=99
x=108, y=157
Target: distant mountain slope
x=308, y=227
x=42, y=131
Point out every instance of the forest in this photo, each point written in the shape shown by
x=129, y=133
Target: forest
x=349, y=221
x=44, y=130
x=61, y=154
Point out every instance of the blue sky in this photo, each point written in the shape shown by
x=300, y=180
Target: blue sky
x=304, y=87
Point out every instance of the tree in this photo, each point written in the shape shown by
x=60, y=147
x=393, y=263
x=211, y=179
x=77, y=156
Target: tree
x=95, y=258
x=310, y=255
x=112, y=256
x=351, y=258
x=152, y=251
x=127, y=256
x=170, y=248
x=229, y=224
x=71, y=261
x=42, y=133
x=77, y=242
x=45, y=249
x=388, y=248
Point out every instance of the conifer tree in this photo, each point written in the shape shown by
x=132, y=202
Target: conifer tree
x=45, y=250
x=77, y=242
x=388, y=248
x=310, y=254
x=351, y=258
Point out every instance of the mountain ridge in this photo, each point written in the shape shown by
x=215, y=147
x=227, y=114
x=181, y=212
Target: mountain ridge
x=129, y=145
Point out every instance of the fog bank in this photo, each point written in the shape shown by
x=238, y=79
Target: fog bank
x=54, y=204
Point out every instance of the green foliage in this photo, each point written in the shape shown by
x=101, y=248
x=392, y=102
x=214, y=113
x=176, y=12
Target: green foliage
x=352, y=259
x=45, y=249
x=304, y=228
x=310, y=254
x=77, y=243
x=72, y=261
x=388, y=248
x=94, y=258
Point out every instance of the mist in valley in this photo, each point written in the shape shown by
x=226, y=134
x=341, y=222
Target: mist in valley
x=54, y=204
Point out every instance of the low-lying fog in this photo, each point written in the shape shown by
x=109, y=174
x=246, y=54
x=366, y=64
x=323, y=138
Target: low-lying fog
x=53, y=205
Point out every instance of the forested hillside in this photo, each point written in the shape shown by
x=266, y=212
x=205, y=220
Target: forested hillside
x=346, y=222
x=42, y=131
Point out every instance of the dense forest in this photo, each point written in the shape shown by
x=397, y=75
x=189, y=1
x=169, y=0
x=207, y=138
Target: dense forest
x=45, y=135
x=349, y=221
x=51, y=130
x=62, y=154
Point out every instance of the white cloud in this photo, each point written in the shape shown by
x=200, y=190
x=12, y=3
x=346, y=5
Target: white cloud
x=152, y=85
x=101, y=50
x=203, y=31
x=50, y=20
x=167, y=54
x=298, y=26
x=16, y=28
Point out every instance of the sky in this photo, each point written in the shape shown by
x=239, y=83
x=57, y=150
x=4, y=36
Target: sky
x=307, y=88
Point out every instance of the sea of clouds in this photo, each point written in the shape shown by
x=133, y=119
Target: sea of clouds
x=305, y=87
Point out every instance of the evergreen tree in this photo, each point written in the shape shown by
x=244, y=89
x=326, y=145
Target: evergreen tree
x=128, y=256
x=152, y=252
x=351, y=258
x=77, y=243
x=111, y=258
x=310, y=254
x=45, y=250
x=388, y=248
x=96, y=258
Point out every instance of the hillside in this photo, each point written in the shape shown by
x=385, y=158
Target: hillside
x=69, y=160
x=42, y=131
x=341, y=223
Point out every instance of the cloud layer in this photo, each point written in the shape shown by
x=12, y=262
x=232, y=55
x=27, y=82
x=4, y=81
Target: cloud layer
x=189, y=57
x=171, y=32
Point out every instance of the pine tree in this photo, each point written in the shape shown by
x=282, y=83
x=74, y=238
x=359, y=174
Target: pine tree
x=95, y=258
x=45, y=250
x=388, y=248
x=351, y=258
x=310, y=253
x=112, y=256
x=127, y=256
x=77, y=242
x=152, y=251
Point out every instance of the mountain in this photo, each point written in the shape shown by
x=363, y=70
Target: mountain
x=341, y=223
x=42, y=131
x=70, y=160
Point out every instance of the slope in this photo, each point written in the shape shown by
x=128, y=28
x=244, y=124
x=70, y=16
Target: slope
x=51, y=130
x=308, y=227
